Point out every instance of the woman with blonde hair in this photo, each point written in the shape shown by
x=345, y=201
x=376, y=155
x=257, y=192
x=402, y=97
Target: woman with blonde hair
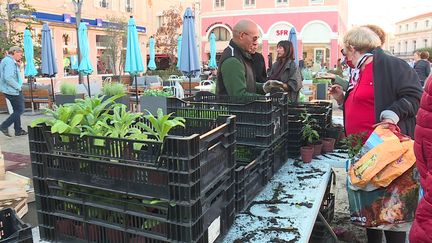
x=384, y=89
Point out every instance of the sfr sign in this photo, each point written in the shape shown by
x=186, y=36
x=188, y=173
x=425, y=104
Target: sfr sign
x=282, y=32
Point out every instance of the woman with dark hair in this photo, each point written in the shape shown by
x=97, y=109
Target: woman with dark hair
x=286, y=71
x=422, y=65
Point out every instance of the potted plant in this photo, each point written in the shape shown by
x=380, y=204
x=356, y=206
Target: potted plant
x=153, y=99
x=68, y=94
x=110, y=89
x=309, y=133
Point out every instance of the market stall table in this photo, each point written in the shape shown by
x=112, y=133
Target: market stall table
x=287, y=207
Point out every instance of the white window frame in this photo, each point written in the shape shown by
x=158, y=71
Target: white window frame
x=221, y=6
x=316, y=2
x=131, y=6
x=316, y=50
x=249, y=5
x=281, y=3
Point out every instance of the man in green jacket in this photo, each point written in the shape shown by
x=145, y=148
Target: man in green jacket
x=236, y=75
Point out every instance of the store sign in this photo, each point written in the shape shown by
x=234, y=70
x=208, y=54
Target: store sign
x=278, y=32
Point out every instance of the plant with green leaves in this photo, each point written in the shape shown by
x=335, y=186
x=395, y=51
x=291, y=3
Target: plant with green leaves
x=309, y=133
x=161, y=125
x=113, y=88
x=354, y=143
x=155, y=92
x=68, y=88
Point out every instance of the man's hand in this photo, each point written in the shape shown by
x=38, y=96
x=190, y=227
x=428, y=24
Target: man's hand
x=272, y=86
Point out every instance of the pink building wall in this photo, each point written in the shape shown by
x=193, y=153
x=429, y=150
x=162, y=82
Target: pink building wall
x=298, y=14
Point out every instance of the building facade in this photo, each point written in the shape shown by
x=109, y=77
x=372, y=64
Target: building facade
x=318, y=24
x=412, y=34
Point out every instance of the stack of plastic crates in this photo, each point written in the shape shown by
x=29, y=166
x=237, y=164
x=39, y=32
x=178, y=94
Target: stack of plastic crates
x=13, y=229
x=100, y=189
x=261, y=127
x=321, y=111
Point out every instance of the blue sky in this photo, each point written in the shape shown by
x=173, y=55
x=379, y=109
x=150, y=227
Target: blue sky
x=385, y=12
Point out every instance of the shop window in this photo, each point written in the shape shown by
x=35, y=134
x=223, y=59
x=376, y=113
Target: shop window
x=70, y=54
x=219, y=3
x=249, y=3
x=316, y=1
x=221, y=33
x=103, y=58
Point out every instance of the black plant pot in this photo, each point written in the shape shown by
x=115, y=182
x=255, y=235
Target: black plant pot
x=125, y=100
x=152, y=103
x=61, y=99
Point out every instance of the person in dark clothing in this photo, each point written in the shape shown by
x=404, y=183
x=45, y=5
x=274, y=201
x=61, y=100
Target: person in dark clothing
x=286, y=71
x=422, y=65
x=236, y=75
x=385, y=91
x=258, y=65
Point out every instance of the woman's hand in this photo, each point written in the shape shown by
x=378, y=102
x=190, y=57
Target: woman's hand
x=337, y=93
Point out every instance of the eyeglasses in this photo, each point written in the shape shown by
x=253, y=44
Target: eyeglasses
x=254, y=38
x=343, y=52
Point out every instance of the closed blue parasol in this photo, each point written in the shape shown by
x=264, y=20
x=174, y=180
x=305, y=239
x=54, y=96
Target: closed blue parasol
x=179, y=43
x=293, y=38
x=85, y=67
x=48, y=60
x=189, y=63
x=134, y=63
x=152, y=65
x=29, y=69
x=212, y=62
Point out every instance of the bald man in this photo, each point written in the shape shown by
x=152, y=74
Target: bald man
x=236, y=75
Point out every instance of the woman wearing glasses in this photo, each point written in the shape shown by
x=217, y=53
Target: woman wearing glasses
x=383, y=89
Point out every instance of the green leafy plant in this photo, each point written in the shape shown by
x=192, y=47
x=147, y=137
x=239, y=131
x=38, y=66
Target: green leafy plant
x=155, y=92
x=113, y=88
x=68, y=88
x=309, y=133
x=161, y=125
x=354, y=143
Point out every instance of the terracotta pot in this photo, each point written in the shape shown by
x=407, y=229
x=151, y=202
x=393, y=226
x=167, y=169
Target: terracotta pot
x=328, y=145
x=307, y=153
x=317, y=148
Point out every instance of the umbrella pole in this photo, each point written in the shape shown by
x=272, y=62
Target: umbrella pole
x=190, y=85
x=30, y=81
x=52, y=90
x=88, y=85
x=136, y=92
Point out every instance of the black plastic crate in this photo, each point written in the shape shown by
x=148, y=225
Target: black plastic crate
x=251, y=177
x=185, y=168
x=13, y=229
x=260, y=120
x=74, y=212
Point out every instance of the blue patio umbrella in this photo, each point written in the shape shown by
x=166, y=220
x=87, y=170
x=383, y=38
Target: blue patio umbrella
x=29, y=69
x=189, y=62
x=134, y=63
x=179, y=42
x=152, y=65
x=85, y=67
x=212, y=62
x=293, y=38
x=48, y=60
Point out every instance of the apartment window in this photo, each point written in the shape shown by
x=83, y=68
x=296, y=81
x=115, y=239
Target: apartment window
x=281, y=1
x=219, y=3
x=104, y=3
x=415, y=25
x=248, y=3
x=221, y=33
x=399, y=47
x=425, y=43
x=426, y=23
x=414, y=44
x=406, y=27
x=316, y=1
x=160, y=20
x=128, y=6
x=406, y=46
x=400, y=28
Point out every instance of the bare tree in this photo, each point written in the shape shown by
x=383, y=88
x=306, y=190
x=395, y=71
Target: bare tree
x=78, y=7
x=16, y=11
x=167, y=34
x=115, y=42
